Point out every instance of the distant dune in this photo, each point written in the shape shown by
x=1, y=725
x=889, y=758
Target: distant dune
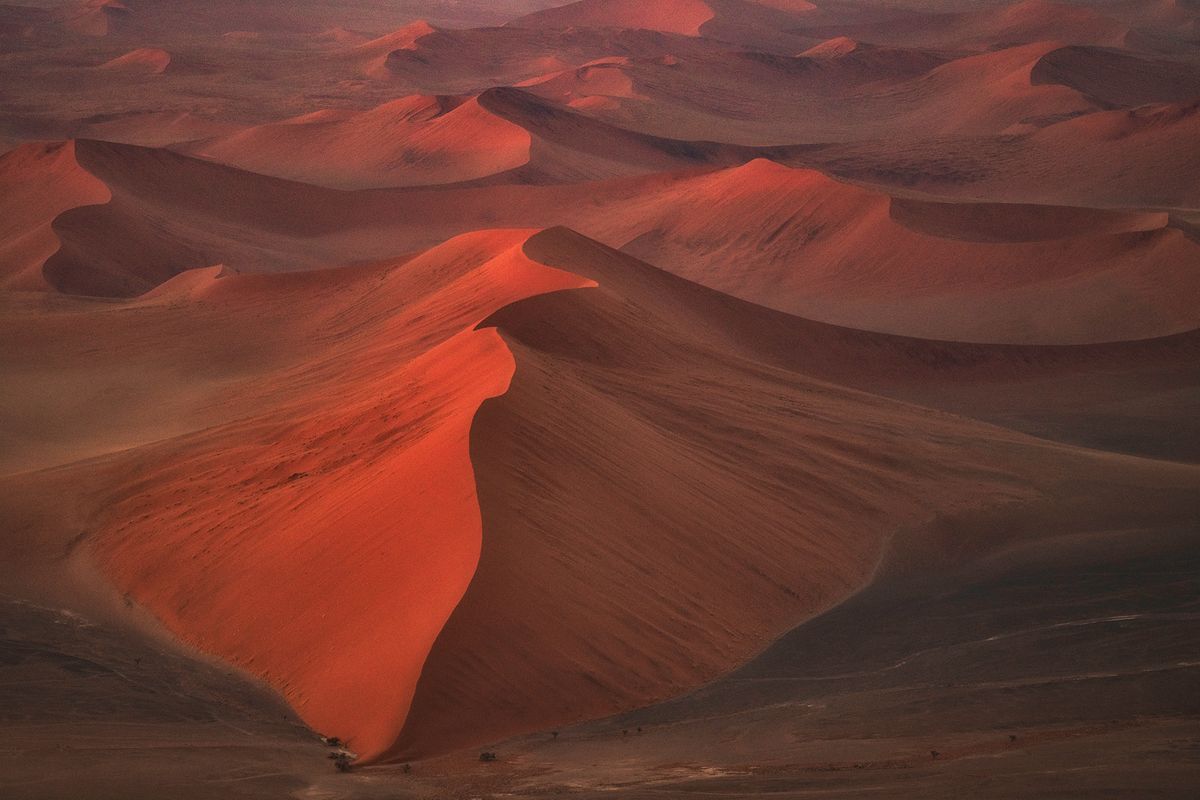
x=144, y=60
x=415, y=140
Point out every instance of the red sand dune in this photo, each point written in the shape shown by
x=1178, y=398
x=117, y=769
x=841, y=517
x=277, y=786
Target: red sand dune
x=675, y=16
x=1134, y=158
x=389, y=542
x=155, y=128
x=371, y=57
x=843, y=93
x=411, y=141
x=803, y=243
x=37, y=183
x=451, y=61
x=569, y=634
x=143, y=61
x=976, y=28
x=836, y=47
x=364, y=382
x=767, y=25
x=320, y=361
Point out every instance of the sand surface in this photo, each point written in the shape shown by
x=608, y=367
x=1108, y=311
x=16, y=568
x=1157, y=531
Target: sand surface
x=706, y=397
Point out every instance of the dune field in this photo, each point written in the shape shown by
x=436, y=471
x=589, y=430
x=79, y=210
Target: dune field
x=655, y=399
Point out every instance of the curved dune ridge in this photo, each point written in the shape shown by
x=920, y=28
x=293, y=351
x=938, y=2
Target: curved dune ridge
x=536, y=372
x=738, y=543
x=38, y=182
x=1116, y=78
x=414, y=140
x=305, y=582
x=846, y=92
x=371, y=57
x=370, y=392
x=803, y=242
x=143, y=61
x=809, y=245
x=675, y=16
x=98, y=17
x=766, y=24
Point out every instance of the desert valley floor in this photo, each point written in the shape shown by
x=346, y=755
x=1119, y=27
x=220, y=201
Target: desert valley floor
x=621, y=398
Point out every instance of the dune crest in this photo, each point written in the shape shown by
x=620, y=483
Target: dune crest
x=143, y=61
x=684, y=17
x=411, y=141
x=38, y=182
x=332, y=597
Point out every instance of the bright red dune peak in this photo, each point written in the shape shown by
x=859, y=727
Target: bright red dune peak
x=528, y=398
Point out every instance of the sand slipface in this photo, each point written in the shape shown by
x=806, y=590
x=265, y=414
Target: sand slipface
x=731, y=397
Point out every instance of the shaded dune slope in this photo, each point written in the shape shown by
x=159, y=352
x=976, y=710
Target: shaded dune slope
x=38, y=182
x=318, y=521
x=679, y=385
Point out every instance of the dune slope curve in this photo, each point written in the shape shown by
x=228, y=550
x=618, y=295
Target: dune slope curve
x=726, y=494
x=321, y=532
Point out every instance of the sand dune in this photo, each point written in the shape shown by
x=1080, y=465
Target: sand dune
x=573, y=637
x=815, y=247
x=99, y=17
x=968, y=27
x=735, y=21
x=40, y=181
x=143, y=61
x=397, y=496
x=470, y=61
x=804, y=243
x=684, y=17
x=894, y=92
x=154, y=128
x=1116, y=79
x=814, y=387
x=372, y=57
x=411, y=141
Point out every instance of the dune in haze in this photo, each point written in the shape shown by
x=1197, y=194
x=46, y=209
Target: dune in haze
x=415, y=140
x=766, y=24
x=98, y=17
x=675, y=16
x=1118, y=79
x=143, y=61
x=371, y=57
x=986, y=27
x=841, y=93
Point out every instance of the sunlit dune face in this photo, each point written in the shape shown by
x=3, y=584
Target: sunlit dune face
x=536, y=397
